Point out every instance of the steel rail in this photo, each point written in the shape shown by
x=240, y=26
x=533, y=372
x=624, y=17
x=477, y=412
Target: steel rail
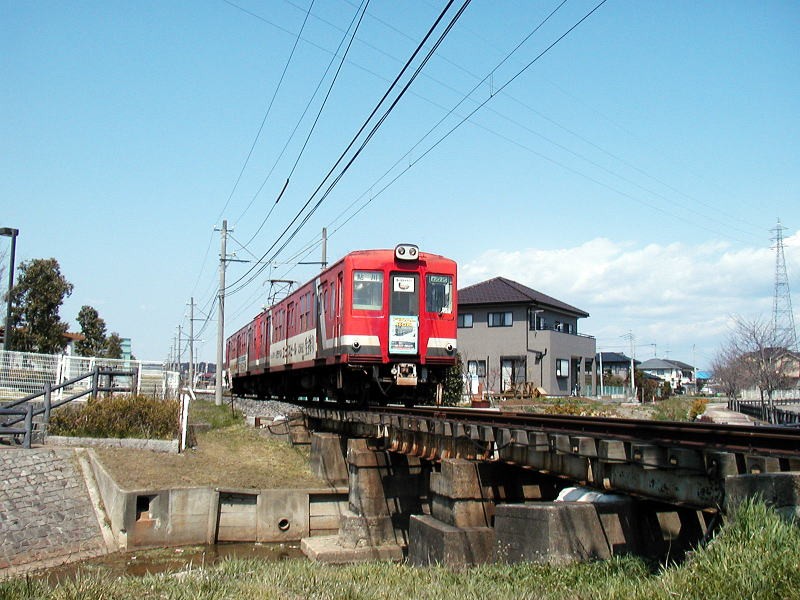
x=761, y=440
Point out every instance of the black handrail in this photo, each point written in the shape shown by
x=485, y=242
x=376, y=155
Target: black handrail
x=27, y=413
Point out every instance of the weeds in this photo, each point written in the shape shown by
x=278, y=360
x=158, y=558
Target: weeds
x=755, y=555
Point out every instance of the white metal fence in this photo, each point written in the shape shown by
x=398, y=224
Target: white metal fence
x=755, y=394
x=25, y=373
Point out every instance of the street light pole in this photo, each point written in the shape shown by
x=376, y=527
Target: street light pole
x=12, y=233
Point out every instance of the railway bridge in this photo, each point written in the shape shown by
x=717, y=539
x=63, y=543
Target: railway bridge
x=464, y=486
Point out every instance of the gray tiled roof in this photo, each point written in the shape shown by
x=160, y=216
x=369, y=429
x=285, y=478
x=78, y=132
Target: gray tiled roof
x=616, y=357
x=662, y=363
x=504, y=291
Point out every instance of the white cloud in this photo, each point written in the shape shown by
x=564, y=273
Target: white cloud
x=674, y=297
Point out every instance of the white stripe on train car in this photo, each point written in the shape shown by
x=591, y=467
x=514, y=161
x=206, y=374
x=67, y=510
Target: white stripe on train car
x=363, y=340
x=441, y=342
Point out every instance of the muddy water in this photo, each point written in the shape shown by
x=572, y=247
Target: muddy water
x=172, y=560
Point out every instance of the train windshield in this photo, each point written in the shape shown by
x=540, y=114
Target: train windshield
x=439, y=294
x=405, y=294
x=368, y=290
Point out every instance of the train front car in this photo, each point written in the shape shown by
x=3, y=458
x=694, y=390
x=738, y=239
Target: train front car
x=398, y=333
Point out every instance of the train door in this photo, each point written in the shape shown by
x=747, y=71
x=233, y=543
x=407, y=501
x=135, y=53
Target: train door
x=338, y=302
x=291, y=329
x=404, y=313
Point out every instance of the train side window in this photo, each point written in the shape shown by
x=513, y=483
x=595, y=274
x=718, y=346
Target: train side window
x=439, y=294
x=368, y=290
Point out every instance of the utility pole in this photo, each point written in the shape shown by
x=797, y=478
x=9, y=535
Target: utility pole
x=180, y=369
x=221, y=312
x=324, y=247
x=629, y=336
x=191, y=343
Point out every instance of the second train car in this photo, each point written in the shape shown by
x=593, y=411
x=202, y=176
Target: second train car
x=378, y=325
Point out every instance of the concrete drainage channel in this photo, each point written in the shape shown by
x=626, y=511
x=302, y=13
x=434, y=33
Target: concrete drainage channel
x=186, y=516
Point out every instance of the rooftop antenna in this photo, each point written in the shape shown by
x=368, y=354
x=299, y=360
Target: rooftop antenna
x=782, y=314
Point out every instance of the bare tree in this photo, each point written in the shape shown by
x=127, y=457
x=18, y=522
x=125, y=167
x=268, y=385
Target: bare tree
x=729, y=370
x=759, y=351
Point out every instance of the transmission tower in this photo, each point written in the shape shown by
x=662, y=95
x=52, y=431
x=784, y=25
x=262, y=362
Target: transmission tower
x=782, y=315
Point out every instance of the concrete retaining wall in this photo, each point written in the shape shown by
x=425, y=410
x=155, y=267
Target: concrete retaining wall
x=156, y=517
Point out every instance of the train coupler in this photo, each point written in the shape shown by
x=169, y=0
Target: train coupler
x=405, y=374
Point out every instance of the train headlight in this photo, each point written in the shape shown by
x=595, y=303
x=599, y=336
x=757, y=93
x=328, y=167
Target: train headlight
x=356, y=345
x=406, y=252
x=449, y=348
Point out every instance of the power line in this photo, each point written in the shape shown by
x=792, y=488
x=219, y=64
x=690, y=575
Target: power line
x=268, y=110
x=355, y=138
x=364, y=5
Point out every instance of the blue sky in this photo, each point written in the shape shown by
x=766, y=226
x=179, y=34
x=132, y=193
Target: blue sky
x=634, y=170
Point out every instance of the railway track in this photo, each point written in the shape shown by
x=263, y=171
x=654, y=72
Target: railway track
x=681, y=463
x=781, y=442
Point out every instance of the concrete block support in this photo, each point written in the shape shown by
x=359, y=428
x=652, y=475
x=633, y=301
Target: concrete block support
x=328, y=458
x=779, y=490
x=458, y=531
x=385, y=489
x=435, y=542
x=563, y=532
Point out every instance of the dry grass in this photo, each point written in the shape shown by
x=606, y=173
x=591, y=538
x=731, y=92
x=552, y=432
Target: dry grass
x=235, y=456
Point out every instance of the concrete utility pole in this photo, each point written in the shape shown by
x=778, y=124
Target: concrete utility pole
x=191, y=343
x=629, y=336
x=221, y=313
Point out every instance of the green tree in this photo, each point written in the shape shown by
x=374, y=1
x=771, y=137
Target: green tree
x=113, y=347
x=93, y=328
x=646, y=388
x=35, y=301
x=453, y=384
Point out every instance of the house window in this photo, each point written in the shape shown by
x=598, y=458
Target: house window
x=536, y=321
x=464, y=320
x=500, y=319
x=562, y=367
x=368, y=290
x=476, y=367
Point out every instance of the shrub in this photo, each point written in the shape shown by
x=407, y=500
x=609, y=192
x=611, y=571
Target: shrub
x=698, y=408
x=142, y=417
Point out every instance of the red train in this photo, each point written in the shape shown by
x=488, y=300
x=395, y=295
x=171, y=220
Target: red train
x=378, y=325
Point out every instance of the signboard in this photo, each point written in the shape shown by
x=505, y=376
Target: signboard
x=403, y=333
x=404, y=284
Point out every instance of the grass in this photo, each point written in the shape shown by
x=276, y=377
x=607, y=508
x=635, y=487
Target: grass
x=230, y=454
x=675, y=408
x=755, y=555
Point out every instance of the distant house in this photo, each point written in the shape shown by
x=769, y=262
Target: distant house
x=615, y=364
x=510, y=335
x=678, y=374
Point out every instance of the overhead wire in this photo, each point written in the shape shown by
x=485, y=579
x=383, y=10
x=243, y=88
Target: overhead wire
x=717, y=214
x=363, y=11
x=481, y=104
x=252, y=273
x=268, y=109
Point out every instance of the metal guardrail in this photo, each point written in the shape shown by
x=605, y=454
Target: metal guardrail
x=23, y=410
x=769, y=413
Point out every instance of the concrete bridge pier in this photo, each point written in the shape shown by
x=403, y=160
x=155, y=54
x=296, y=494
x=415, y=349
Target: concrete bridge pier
x=460, y=527
x=779, y=490
x=385, y=489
